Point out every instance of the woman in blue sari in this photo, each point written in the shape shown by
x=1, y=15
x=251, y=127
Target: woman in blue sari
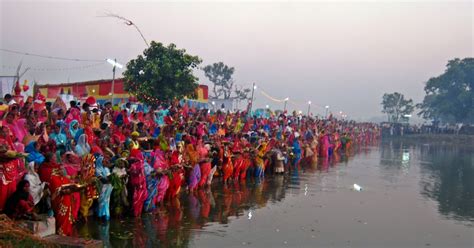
x=296, y=150
x=59, y=137
x=33, y=153
x=152, y=187
x=103, y=173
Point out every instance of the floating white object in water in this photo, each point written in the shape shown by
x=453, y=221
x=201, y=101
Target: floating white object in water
x=357, y=187
x=250, y=215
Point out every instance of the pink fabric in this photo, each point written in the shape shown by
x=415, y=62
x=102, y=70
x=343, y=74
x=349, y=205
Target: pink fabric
x=18, y=129
x=162, y=188
x=138, y=182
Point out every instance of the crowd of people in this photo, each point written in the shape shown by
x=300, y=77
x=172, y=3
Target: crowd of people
x=73, y=162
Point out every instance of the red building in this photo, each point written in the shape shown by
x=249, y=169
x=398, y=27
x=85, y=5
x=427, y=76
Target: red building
x=100, y=89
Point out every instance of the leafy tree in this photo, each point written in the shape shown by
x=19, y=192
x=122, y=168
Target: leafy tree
x=221, y=76
x=450, y=97
x=161, y=74
x=396, y=106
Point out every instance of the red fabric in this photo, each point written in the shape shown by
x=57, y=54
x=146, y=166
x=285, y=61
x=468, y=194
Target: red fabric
x=205, y=204
x=238, y=167
x=62, y=203
x=24, y=207
x=175, y=184
x=138, y=183
x=227, y=169
x=205, y=171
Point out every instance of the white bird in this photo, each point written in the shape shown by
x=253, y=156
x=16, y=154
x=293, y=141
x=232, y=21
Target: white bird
x=250, y=215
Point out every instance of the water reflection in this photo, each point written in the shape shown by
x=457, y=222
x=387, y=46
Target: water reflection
x=445, y=175
x=174, y=224
x=448, y=178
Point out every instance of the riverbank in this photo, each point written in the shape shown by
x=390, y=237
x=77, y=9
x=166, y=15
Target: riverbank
x=447, y=139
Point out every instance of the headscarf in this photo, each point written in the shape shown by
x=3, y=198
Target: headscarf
x=17, y=127
x=33, y=154
x=60, y=138
x=36, y=186
x=100, y=169
x=73, y=130
x=82, y=148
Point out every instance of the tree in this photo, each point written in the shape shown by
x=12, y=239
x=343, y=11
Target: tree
x=221, y=76
x=396, y=106
x=450, y=97
x=161, y=74
x=242, y=93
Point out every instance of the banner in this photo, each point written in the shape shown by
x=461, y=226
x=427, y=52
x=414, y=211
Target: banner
x=6, y=85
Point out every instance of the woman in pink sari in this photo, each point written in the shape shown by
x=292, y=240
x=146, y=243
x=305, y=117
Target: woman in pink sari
x=16, y=126
x=324, y=145
x=71, y=163
x=160, y=165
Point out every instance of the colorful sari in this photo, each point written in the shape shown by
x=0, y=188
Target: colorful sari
x=194, y=177
x=71, y=163
x=17, y=127
x=138, y=185
x=324, y=148
x=205, y=173
x=175, y=184
x=227, y=167
x=119, y=183
x=152, y=188
x=11, y=172
x=160, y=164
x=103, y=173
x=88, y=178
x=33, y=154
x=63, y=204
x=238, y=167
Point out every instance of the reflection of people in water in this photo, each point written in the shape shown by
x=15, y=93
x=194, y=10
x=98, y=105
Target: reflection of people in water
x=203, y=197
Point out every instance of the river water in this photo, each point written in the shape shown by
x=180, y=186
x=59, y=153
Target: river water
x=413, y=195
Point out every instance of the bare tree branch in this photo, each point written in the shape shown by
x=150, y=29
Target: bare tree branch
x=127, y=22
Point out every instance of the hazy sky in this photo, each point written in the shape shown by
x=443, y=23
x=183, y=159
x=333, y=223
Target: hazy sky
x=344, y=54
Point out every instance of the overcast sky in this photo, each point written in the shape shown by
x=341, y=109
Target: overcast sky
x=344, y=54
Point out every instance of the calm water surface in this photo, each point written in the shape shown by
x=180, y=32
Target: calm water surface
x=414, y=195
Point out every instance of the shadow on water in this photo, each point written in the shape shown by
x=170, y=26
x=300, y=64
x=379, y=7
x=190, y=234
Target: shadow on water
x=446, y=174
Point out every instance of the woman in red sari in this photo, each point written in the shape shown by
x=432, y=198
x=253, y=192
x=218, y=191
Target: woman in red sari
x=176, y=177
x=12, y=168
x=138, y=182
x=62, y=199
x=227, y=167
